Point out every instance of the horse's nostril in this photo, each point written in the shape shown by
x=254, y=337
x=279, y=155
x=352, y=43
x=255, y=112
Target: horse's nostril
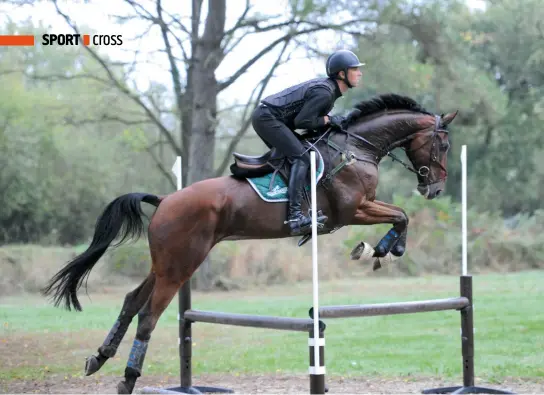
x=438, y=192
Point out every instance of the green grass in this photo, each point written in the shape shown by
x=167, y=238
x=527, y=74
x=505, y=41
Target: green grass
x=38, y=339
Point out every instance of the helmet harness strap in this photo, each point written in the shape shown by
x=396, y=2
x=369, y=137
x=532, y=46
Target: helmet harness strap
x=345, y=79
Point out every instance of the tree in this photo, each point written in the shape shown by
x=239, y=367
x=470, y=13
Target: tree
x=55, y=175
x=487, y=64
x=506, y=41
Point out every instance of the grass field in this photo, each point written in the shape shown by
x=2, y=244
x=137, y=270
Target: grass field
x=37, y=339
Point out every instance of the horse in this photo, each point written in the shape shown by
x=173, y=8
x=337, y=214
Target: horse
x=188, y=223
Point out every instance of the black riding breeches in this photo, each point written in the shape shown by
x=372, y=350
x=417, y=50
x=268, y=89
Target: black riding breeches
x=276, y=134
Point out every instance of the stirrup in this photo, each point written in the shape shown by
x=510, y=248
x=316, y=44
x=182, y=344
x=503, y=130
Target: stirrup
x=320, y=217
x=308, y=236
x=303, y=229
x=299, y=229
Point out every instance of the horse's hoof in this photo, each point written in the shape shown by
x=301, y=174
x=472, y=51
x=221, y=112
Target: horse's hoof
x=357, y=251
x=122, y=388
x=92, y=365
x=363, y=250
x=377, y=265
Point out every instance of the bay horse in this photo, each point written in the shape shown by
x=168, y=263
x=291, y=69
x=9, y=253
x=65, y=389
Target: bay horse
x=188, y=223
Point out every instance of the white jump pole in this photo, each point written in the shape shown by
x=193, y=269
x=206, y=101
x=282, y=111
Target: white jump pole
x=314, y=259
x=317, y=368
x=464, y=207
x=176, y=169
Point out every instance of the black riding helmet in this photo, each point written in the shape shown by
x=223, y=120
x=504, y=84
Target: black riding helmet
x=342, y=60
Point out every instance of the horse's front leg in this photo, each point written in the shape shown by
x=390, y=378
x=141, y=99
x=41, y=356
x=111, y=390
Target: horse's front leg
x=376, y=212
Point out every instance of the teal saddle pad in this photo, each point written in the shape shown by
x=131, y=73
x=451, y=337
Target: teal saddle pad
x=278, y=191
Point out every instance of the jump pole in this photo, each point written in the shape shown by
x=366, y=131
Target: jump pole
x=317, y=344
x=464, y=206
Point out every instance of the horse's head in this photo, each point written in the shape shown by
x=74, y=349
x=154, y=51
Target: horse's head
x=389, y=121
x=428, y=152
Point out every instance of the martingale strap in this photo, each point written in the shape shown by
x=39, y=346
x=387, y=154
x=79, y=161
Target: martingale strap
x=348, y=158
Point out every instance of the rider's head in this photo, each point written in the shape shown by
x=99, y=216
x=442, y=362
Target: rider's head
x=344, y=65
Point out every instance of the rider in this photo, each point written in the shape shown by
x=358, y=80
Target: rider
x=304, y=106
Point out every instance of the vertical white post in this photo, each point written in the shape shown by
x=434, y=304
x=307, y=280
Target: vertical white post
x=464, y=206
x=317, y=371
x=176, y=169
x=314, y=260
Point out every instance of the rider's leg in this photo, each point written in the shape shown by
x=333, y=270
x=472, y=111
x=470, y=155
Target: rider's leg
x=297, y=182
x=277, y=134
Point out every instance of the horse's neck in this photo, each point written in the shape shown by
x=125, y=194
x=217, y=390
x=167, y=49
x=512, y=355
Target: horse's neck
x=384, y=132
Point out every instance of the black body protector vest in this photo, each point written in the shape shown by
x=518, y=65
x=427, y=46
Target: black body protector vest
x=286, y=105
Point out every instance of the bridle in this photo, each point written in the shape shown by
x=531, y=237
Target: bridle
x=422, y=171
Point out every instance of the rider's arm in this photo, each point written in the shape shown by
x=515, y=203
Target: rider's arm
x=318, y=102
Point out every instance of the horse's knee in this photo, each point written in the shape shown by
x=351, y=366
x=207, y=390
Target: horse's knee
x=402, y=221
x=404, y=218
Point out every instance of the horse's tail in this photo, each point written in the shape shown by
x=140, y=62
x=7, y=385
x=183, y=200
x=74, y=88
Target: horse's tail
x=122, y=215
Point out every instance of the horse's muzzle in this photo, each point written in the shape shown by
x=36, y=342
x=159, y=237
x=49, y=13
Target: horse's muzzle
x=431, y=191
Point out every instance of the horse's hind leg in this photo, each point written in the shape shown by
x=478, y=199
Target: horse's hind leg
x=134, y=301
x=165, y=289
x=182, y=232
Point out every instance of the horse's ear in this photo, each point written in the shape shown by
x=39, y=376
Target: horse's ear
x=446, y=119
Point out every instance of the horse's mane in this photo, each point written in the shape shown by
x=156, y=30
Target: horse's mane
x=385, y=102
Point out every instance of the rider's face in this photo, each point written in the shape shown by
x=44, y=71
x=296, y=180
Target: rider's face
x=354, y=76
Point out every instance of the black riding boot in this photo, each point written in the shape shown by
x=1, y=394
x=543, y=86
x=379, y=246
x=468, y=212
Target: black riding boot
x=298, y=222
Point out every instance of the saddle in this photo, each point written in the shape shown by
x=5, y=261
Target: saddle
x=250, y=166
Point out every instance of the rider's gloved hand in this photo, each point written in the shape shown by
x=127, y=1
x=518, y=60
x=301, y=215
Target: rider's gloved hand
x=354, y=114
x=337, y=121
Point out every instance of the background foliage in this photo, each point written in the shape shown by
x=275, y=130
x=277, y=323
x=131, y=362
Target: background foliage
x=71, y=140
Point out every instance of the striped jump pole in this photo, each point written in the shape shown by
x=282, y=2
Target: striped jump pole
x=316, y=339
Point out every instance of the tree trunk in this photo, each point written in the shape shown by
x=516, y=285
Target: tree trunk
x=201, y=94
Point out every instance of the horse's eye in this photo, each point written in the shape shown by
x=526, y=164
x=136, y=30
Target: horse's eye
x=445, y=146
